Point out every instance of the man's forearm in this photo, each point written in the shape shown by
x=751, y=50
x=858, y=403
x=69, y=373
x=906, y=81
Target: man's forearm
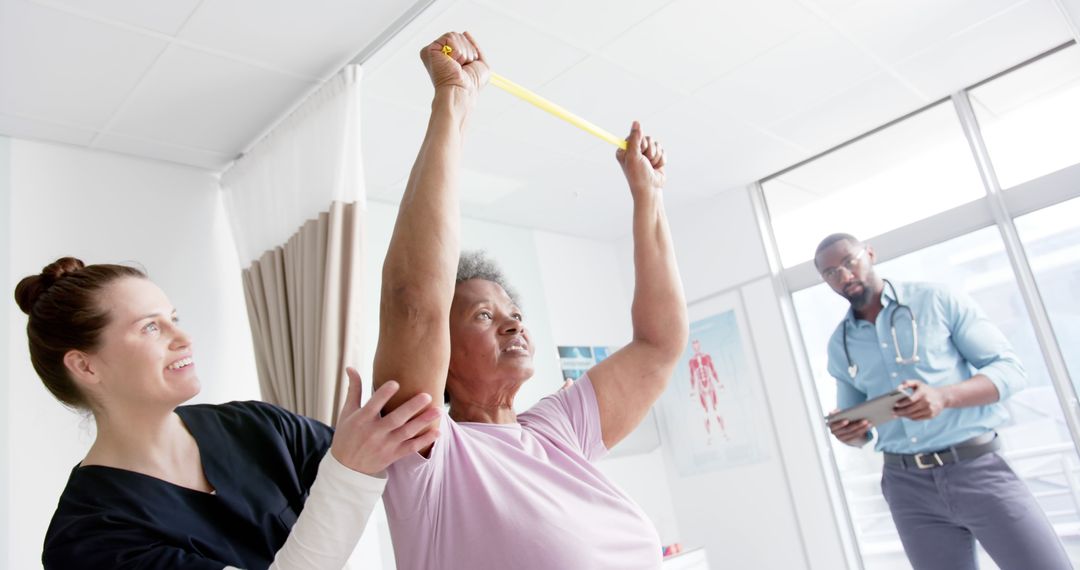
x=975, y=391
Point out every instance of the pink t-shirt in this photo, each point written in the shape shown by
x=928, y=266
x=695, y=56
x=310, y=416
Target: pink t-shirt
x=522, y=495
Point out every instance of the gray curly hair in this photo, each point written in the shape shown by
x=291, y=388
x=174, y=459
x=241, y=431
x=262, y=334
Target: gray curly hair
x=476, y=264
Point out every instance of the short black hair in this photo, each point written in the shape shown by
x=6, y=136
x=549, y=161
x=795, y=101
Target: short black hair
x=831, y=239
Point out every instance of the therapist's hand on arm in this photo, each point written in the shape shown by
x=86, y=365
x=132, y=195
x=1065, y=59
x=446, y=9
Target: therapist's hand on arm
x=368, y=442
x=348, y=486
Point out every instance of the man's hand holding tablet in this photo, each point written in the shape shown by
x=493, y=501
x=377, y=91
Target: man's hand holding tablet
x=851, y=425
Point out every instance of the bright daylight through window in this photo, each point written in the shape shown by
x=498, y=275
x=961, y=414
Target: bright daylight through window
x=916, y=170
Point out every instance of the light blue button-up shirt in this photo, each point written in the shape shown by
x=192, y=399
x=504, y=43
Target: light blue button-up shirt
x=956, y=341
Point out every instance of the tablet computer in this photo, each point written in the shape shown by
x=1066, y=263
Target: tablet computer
x=876, y=410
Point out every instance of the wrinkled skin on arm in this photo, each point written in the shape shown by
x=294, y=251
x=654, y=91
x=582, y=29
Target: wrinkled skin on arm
x=421, y=263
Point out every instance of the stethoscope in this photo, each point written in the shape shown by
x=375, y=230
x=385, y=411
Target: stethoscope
x=853, y=368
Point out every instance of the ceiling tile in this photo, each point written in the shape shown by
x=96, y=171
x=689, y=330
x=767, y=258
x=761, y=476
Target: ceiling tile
x=193, y=99
x=152, y=149
x=506, y=154
x=831, y=6
x=599, y=92
x=165, y=16
x=312, y=39
x=1072, y=12
x=693, y=42
x=782, y=197
x=531, y=127
x=710, y=152
x=1021, y=86
x=981, y=51
x=504, y=178
x=24, y=128
x=798, y=74
x=574, y=197
x=936, y=127
x=494, y=162
x=519, y=52
x=896, y=29
x=589, y=25
x=65, y=68
x=865, y=106
x=608, y=94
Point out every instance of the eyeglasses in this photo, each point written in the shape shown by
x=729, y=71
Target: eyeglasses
x=832, y=274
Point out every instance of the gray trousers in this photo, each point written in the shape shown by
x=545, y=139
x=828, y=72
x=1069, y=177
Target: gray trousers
x=940, y=512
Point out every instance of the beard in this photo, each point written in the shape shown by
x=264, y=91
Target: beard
x=862, y=298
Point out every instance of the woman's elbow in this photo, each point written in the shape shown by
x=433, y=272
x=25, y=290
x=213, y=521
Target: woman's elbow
x=666, y=349
x=671, y=344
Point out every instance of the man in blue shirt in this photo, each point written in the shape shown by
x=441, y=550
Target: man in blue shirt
x=943, y=481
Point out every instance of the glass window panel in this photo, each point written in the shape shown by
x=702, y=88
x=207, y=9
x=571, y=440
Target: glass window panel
x=1051, y=238
x=1030, y=118
x=909, y=171
x=1037, y=441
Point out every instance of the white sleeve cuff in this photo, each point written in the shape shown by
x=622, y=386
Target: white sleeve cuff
x=333, y=518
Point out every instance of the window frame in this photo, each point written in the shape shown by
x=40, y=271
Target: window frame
x=997, y=207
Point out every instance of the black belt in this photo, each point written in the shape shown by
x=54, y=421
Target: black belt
x=970, y=449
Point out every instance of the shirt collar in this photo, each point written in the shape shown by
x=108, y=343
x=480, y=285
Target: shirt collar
x=887, y=298
x=887, y=295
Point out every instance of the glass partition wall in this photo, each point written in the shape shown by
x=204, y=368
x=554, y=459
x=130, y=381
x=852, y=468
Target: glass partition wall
x=981, y=192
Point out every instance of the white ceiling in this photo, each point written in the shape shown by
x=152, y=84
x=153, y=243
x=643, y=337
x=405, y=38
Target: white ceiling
x=736, y=90
x=187, y=81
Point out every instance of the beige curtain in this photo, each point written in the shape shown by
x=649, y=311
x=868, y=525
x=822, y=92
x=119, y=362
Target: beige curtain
x=303, y=302
x=295, y=203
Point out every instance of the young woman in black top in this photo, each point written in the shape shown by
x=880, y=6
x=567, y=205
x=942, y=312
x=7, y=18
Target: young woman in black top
x=238, y=485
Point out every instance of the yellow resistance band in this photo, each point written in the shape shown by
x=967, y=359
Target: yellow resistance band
x=526, y=95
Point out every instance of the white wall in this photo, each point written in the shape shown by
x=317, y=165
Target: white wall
x=6, y=464
x=588, y=304
x=103, y=207
x=777, y=513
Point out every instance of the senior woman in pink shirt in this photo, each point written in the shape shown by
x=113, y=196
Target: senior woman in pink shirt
x=498, y=489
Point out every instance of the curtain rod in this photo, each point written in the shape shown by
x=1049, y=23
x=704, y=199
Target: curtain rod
x=365, y=54
x=389, y=33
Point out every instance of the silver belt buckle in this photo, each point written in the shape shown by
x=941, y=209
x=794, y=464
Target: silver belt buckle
x=936, y=463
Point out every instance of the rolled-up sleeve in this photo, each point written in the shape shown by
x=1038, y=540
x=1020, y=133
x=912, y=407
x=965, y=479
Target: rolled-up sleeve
x=983, y=345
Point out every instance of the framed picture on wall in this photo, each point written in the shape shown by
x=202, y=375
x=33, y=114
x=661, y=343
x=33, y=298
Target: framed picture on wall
x=713, y=409
x=577, y=360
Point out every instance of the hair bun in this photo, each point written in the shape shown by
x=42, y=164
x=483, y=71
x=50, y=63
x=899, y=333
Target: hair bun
x=33, y=287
